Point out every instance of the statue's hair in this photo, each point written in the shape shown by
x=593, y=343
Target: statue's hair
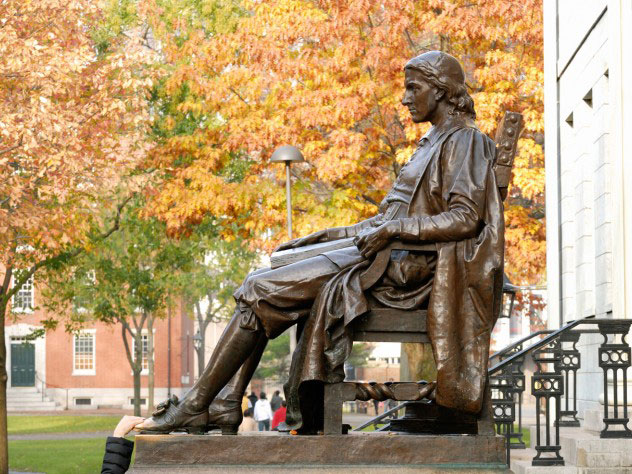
x=460, y=102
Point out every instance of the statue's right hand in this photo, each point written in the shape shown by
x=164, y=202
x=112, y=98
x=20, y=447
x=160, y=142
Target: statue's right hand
x=320, y=236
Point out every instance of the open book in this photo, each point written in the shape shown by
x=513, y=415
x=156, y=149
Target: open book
x=285, y=257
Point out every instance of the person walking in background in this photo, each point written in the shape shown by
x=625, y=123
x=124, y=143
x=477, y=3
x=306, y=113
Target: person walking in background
x=253, y=399
x=245, y=404
x=279, y=415
x=249, y=424
x=275, y=401
x=263, y=412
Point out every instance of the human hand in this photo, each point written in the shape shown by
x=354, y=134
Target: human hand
x=126, y=425
x=374, y=240
x=316, y=237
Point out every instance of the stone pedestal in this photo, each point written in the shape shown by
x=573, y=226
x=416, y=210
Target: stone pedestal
x=361, y=452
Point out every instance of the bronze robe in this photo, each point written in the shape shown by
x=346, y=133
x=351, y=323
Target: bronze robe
x=456, y=204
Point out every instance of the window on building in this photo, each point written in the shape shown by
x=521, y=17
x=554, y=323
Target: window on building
x=83, y=401
x=23, y=300
x=143, y=401
x=144, y=351
x=84, y=353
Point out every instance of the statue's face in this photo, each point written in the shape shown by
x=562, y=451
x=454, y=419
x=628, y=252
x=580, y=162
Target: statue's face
x=420, y=97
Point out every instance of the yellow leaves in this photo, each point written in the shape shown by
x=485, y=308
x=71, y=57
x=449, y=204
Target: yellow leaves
x=327, y=76
x=78, y=123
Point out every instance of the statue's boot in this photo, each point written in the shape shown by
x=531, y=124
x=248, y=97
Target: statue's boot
x=225, y=412
x=191, y=413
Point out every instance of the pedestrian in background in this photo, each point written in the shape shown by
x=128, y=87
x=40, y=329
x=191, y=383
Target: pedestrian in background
x=263, y=412
x=249, y=424
x=279, y=415
x=275, y=401
x=253, y=399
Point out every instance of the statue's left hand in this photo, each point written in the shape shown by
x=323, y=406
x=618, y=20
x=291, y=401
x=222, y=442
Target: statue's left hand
x=372, y=242
x=310, y=239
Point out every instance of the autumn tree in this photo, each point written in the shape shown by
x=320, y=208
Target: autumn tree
x=327, y=76
x=73, y=115
x=124, y=280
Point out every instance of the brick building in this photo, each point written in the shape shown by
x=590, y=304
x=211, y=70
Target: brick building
x=88, y=369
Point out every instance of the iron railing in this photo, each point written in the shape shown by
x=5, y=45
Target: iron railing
x=554, y=385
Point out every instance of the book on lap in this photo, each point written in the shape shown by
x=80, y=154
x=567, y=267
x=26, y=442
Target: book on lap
x=285, y=257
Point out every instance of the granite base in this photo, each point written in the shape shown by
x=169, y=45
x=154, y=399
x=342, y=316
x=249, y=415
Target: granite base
x=357, y=452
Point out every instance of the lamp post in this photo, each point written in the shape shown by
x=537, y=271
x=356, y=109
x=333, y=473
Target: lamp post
x=509, y=296
x=197, y=345
x=288, y=154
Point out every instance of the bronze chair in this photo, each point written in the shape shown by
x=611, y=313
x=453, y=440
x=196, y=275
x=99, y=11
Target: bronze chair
x=390, y=325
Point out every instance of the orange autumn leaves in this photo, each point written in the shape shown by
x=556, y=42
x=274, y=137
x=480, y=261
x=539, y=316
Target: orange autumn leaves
x=73, y=122
x=232, y=80
x=327, y=76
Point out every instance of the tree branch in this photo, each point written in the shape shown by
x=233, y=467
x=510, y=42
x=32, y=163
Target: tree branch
x=11, y=148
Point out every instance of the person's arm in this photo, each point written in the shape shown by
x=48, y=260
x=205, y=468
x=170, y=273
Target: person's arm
x=118, y=450
x=334, y=233
x=470, y=173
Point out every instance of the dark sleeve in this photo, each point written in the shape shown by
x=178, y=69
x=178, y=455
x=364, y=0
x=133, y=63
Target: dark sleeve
x=466, y=169
x=118, y=455
x=336, y=233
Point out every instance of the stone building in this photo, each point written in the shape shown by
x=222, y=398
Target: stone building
x=588, y=125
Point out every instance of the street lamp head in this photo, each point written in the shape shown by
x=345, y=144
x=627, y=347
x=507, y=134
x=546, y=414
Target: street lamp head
x=287, y=153
x=509, y=297
x=197, y=340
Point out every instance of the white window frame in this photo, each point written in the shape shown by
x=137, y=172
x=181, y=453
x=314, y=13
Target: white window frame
x=144, y=334
x=93, y=370
x=22, y=309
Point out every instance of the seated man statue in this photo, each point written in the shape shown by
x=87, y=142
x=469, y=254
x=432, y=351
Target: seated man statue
x=447, y=195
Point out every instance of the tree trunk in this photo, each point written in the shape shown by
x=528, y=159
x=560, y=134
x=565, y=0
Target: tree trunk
x=137, y=369
x=150, y=365
x=4, y=439
x=421, y=361
x=201, y=350
x=4, y=304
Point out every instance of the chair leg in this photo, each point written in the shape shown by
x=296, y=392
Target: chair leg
x=486, y=417
x=333, y=408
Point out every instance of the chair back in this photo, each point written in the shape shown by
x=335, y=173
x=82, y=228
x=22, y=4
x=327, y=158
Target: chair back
x=506, y=147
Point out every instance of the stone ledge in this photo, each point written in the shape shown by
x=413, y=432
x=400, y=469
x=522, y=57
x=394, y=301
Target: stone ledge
x=268, y=450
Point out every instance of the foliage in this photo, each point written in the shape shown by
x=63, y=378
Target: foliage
x=360, y=354
x=327, y=76
x=73, y=123
x=217, y=270
x=126, y=279
x=275, y=361
x=77, y=456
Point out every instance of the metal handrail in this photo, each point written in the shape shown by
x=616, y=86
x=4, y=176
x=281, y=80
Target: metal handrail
x=504, y=350
x=541, y=343
x=377, y=419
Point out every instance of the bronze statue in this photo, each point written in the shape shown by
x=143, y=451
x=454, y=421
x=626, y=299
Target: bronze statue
x=446, y=194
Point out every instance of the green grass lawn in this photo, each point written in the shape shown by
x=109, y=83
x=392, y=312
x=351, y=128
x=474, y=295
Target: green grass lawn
x=20, y=424
x=72, y=456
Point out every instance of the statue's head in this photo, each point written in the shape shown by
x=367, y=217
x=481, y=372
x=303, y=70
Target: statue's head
x=434, y=77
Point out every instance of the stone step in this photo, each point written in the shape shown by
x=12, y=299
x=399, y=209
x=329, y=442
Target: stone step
x=28, y=399
x=26, y=396
x=584, y=452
